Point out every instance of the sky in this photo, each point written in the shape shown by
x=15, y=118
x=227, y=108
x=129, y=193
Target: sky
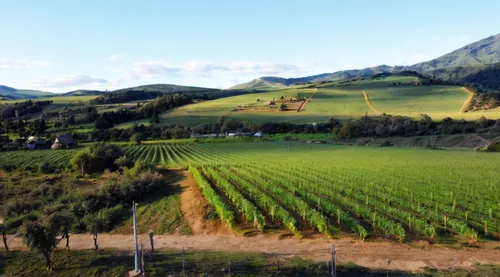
x=61, y=46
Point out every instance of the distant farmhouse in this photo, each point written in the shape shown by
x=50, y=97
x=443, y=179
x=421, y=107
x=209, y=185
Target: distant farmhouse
x=64, y=141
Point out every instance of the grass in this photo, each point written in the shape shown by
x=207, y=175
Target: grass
x=160, y=213
x=403, y=100
x=196, y=263
x=129, y=124
x=210, y=111
x=56, y=99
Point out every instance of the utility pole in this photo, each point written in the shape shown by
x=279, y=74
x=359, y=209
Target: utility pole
x=137, y=262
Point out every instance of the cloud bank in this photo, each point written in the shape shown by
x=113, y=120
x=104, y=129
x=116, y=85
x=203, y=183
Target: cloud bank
x=69, y=81
x=206, y=69
x=16, y=64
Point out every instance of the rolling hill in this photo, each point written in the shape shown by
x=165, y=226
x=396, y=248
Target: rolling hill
x=12, y=93
x=394, y=94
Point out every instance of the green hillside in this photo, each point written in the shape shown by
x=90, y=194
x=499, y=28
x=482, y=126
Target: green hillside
x=485, y=51
x=397, y=95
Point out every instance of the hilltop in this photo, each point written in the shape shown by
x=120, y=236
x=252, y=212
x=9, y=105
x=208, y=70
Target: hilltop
x=485, y=51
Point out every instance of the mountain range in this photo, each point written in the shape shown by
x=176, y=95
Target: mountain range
x=464, y=64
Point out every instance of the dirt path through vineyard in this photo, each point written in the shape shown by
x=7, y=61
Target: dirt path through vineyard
x=406, y=257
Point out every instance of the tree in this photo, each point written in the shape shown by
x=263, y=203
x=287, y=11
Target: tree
x=71, y=120
x=81, y=160
x=96, y=223
x=137, y=138
x=154, y=118
x=61, y=222
x=96, y=158
x=40, y=238
x=3, y=230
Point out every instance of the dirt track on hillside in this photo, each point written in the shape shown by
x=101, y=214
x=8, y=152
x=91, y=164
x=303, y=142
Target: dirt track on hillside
x=369, y=103
x=467, y=101
x=303, y=105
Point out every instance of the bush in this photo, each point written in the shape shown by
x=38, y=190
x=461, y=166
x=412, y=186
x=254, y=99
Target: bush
x=45, y=168
x=123, y=161
x=494, y=147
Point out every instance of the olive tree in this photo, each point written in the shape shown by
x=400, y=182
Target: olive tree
x=41, y=238
x=96, y=223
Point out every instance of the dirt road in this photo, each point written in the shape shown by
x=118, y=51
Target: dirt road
x=368, y=254
x=303, y=105
x=467, y=101
x=369, y=103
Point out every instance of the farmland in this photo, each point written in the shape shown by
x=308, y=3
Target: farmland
x=342, y=101
x=402, y=194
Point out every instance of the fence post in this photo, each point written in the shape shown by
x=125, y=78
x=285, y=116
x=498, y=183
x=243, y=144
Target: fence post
x=388, y=264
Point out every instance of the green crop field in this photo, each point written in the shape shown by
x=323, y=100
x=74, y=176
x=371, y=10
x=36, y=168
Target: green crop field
x=399, y=193
x=341, y=101
x=210, y=111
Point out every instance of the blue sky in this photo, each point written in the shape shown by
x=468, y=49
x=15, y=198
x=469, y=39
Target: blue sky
x=64, y=45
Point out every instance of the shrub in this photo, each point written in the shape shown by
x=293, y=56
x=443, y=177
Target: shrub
x=494, y=147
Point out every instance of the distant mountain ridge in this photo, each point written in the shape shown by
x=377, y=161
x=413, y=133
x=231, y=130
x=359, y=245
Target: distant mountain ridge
x=13, y=93
x=475, y=56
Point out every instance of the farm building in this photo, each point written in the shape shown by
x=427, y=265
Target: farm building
x=64, y=141
x=34, y=142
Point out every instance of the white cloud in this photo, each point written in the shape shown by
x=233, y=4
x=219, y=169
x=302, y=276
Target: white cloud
x=114, y=58
x=206, y=69
x=15, y=64
x=69, y=81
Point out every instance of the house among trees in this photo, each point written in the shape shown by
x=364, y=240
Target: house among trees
x=64, y=141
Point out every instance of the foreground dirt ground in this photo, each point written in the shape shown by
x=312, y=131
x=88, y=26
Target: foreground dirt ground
x=406, y=257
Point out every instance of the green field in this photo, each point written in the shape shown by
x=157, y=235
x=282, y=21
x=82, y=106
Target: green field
x=210, y=111
x=341, y=101
x=56, y=99
x=399, y=193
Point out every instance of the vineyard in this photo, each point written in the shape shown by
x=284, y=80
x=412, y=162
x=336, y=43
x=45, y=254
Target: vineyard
x=402, y=194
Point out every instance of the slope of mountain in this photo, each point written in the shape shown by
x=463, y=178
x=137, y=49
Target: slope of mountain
x=485, y=51
x=152, y=91
x=273, y=82
x=480, y=76
x=12, y=93
x=82, y=92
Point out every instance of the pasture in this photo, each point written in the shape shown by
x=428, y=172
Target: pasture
x=396, y=95
x=397, y=193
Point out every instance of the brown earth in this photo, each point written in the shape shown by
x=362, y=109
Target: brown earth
x=303, y=105
x=194, y=208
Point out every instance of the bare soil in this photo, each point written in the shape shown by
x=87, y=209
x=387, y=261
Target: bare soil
x=195, y=207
